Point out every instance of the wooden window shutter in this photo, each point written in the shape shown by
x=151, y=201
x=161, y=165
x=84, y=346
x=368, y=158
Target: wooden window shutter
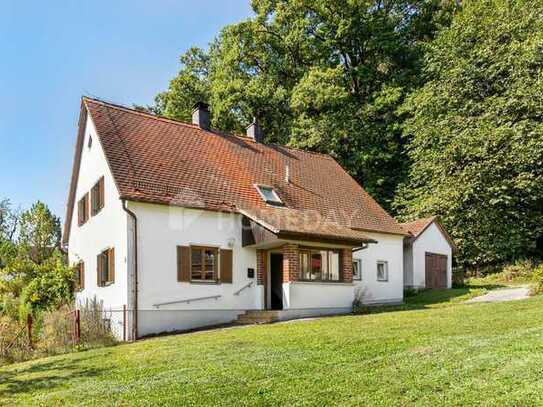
x=226, y=266
x=79, y=213
x=183, y=263
x=99, y=281
x=111, y=265
x=101, y=193
x=81, y=275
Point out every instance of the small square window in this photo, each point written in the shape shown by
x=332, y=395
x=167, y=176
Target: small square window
x=382, y=271
x=204, y=263
x=357, y=269
x=268, y=194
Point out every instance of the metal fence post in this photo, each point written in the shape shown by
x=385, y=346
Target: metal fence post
x=124, y=323
x=77, y=327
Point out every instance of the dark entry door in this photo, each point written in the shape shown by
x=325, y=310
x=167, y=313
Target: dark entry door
x=436, y=270
x=276, y=273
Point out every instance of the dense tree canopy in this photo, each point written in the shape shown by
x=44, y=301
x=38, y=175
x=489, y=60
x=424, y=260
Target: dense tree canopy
x=477, y=129
x=434, y=106
x=322, y=75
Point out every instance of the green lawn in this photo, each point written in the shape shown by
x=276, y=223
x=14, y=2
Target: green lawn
x=479, y=354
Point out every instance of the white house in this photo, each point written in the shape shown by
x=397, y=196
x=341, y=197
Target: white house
x=428, y=255
x=175, y=226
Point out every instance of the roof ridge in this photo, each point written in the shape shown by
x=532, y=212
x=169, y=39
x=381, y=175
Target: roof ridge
x=131, y=110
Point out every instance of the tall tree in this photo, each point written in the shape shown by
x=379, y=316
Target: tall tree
x=320, y=75
x=477, y=132
x=39, y=232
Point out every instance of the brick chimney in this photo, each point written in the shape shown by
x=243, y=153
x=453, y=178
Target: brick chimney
x=201, y=116
x=255, y=132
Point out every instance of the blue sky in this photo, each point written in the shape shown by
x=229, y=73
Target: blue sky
x=52, y=52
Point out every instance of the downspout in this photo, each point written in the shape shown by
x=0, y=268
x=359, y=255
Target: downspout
x=135, y=316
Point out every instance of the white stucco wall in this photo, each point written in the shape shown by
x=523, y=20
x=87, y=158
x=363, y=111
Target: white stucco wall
x=160, y=230
x=106, y=229
x=432, y=241
x=408, y=265
x=388, y=248
x=310, y=295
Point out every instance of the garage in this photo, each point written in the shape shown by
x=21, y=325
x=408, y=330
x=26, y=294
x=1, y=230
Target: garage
x=436, y=270
x=428, y=254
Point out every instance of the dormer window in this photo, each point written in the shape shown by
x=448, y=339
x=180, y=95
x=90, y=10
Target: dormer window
x=269, y=195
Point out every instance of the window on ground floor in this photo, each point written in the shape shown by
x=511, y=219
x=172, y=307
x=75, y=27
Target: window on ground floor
x=382, y=270
x=204, y=263
x=357, y=269
x=319, y=265
x=79, y=276
x=106, y=267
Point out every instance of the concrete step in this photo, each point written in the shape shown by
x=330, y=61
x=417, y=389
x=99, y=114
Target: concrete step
x=258, y=317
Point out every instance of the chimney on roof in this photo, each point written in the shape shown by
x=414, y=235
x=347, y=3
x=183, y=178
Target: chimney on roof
x=255, y=132
x=200, y=115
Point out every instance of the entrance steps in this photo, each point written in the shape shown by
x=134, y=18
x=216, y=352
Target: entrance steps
x=258, y=317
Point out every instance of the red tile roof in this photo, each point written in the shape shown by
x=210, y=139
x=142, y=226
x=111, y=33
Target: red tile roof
x=158, y=160
x=310, y=223
x=415, y=227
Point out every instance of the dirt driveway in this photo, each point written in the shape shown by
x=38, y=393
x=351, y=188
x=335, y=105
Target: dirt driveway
x=504, y=294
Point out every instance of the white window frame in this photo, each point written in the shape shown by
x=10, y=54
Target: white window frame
x=358, y=262
x=385, y=267
x=275, y=201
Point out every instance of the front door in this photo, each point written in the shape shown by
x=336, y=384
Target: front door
x=436, y=270
x=276, y=280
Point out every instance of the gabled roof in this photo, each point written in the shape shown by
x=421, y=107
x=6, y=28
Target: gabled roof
x=164, y=161
x=417, y=227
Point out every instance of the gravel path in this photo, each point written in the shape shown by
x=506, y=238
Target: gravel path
x=504, y=294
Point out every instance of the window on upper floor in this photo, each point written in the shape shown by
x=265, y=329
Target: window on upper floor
x=79, y=276
x=382, y=270
x=97, y=197
x=105, y=267
x=83, y=210
x=268, y=194
x=357, y=269
x=319, y=265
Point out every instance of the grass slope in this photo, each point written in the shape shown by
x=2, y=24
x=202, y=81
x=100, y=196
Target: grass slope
x=480, y=354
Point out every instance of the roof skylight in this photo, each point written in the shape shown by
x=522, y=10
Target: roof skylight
x=269, y=195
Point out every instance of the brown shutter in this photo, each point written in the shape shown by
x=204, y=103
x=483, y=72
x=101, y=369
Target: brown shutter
x=86, y=204
x=99, y=270
x=101, y=193
x=79, y=213
x=183, y=263
x=81, y=275
x=226, y=266
x=111, y=265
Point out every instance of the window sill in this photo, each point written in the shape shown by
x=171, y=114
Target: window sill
x=204, y=282
x=382, y=281
x=107, y=284
x=97, y=212
x=321, y=282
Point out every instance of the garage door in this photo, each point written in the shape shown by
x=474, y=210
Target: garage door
x=436, y=270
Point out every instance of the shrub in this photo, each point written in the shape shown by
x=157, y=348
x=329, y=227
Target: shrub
x=59, y=329
x=537, y=280
x=14, y=344
x=520, y=270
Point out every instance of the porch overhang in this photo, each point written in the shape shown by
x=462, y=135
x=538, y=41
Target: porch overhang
x=269, y=227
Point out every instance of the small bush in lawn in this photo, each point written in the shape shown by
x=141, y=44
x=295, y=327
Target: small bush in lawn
x=537, y=280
